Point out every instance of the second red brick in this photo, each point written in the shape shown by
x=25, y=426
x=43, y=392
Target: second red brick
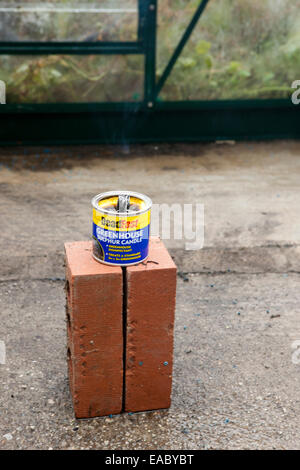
x=151, y=289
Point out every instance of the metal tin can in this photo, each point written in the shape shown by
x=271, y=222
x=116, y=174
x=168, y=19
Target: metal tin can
x=121, y=227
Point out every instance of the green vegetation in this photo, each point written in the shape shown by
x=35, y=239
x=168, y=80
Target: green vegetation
x=240, y=49
x=54, y=79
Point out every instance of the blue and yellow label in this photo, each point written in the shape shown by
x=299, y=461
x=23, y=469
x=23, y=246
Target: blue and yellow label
x=120, y=240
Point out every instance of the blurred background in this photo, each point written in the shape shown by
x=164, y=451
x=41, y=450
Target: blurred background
x=240, y=49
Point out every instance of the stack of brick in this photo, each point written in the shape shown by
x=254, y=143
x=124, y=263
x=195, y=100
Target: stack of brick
x=120, y=326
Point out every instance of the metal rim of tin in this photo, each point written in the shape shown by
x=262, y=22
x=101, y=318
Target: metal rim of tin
x=122, y=265
x=109, y=194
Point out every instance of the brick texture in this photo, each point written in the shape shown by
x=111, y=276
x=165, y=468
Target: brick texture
x=94, y=294
x=151, y=289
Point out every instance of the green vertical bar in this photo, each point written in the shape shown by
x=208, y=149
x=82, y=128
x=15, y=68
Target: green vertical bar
x=150, y=55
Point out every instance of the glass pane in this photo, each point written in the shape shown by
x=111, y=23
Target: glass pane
x=240, y=49
x=172, y=20
x=68, y=20
x=73, y=79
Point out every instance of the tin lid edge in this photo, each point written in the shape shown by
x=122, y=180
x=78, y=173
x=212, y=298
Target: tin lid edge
x=108, y=194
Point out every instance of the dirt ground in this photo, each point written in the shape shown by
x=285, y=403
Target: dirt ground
x=237, y=371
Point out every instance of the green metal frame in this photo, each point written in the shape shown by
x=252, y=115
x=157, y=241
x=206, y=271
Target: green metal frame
x=150, y=120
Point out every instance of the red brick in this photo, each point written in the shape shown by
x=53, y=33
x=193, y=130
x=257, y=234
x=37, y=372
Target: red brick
x=151, y=290
x=95, y=332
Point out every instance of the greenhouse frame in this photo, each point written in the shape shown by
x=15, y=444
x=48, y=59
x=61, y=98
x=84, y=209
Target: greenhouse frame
x=150, y=118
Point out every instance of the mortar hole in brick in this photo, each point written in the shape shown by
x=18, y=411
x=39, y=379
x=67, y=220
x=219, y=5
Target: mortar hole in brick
x=68, y=317
x=67, y=288
x=70, y=365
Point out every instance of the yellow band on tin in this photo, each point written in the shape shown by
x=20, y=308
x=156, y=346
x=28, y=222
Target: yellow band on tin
x=121, y=223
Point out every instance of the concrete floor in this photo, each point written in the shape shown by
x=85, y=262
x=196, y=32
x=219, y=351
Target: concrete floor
x=235, y=384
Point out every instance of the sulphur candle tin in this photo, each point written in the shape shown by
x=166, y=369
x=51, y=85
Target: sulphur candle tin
x=121, y=227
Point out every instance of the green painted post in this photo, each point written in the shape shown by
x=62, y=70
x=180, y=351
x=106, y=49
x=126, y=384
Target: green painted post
x=70, y=48
x=150, y=53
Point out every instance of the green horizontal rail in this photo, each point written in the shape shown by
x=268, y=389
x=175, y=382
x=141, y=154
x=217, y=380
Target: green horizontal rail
x=84, y=48
x=119, y=123
x=132, y=107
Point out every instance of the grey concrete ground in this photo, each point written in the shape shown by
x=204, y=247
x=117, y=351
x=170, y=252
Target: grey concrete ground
x=236, y=375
